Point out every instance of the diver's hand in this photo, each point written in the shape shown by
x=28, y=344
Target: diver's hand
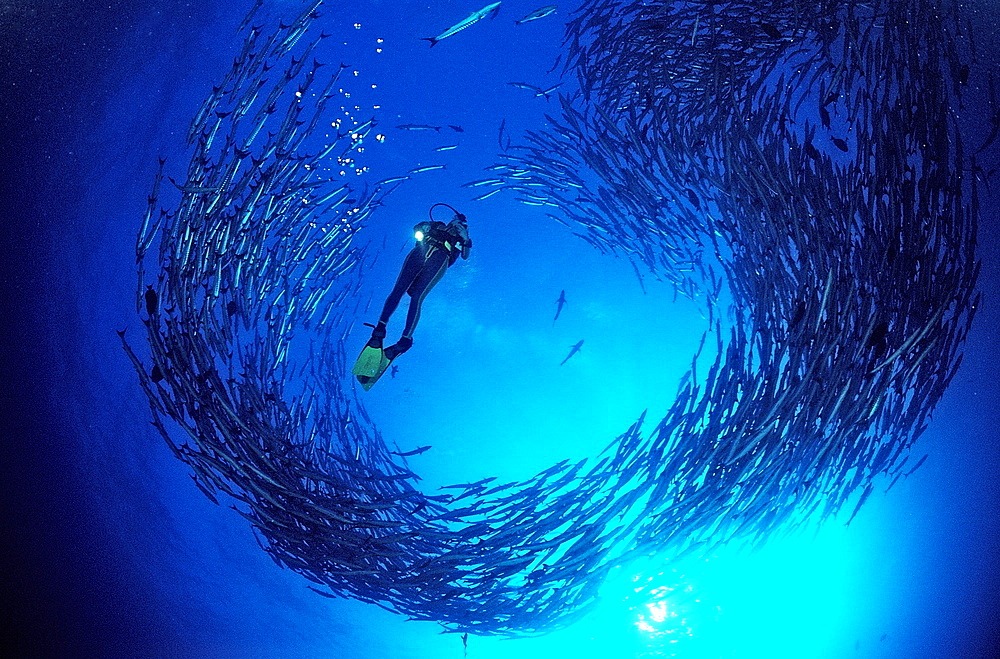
x=459, y=228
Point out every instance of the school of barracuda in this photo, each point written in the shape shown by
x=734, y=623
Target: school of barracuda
x=801, y=161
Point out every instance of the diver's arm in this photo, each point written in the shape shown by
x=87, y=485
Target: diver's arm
x=466, y=242
x=459, y=230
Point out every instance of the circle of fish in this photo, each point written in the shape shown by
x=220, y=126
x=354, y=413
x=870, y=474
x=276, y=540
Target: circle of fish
x=800, y=161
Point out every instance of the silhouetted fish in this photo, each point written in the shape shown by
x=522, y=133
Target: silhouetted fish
x=573, y=350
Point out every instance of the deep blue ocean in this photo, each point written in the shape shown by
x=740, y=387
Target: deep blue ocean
x=114, y=553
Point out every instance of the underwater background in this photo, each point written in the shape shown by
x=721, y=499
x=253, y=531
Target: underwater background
x=114, y=552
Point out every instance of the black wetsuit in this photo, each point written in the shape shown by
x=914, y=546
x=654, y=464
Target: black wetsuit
x=440, y=246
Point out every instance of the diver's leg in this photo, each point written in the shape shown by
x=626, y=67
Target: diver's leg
x=430, y=274
x=410, y=269
x=378, y=333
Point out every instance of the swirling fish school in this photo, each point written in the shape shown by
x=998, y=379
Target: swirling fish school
x=689, y=150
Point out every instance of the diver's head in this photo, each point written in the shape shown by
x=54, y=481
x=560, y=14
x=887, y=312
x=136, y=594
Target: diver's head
x=459, y=218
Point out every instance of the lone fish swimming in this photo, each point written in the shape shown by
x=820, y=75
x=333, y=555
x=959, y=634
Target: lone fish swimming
x=474, y=17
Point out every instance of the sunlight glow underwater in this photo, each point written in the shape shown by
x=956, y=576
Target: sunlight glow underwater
x=795, y=596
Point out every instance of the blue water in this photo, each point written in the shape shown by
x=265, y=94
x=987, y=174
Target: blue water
x=116, y=554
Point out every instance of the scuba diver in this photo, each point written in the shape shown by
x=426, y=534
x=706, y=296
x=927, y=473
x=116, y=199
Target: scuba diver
x=438, y=246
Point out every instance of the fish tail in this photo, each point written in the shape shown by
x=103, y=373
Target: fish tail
x=431, y=39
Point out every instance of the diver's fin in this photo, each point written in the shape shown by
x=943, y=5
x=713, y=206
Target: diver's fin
x=368, y=380
x=369, y=362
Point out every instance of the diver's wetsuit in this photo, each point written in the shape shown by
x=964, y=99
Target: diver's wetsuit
x=438, y=246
